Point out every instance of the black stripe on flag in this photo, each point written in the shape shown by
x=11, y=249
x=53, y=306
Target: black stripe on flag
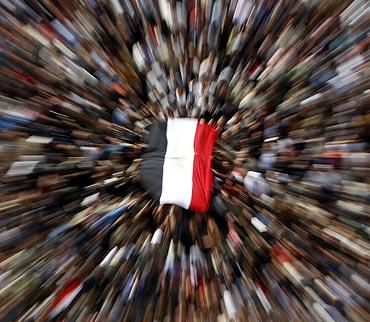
x=151, y=168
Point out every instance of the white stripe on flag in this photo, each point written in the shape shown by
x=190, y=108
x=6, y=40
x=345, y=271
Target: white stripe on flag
x=177, y=182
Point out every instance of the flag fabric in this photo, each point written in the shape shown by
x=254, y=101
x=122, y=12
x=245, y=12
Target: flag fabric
x=176, y=167
x=65, y=298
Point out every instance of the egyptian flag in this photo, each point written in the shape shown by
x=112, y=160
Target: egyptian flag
x=176, y=167
x=65, y=298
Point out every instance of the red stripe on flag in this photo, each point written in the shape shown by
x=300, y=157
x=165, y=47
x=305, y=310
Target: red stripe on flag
x=65, y=292
x=205, y=137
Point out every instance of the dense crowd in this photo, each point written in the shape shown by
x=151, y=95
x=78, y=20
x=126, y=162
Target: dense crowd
x=286, y=84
